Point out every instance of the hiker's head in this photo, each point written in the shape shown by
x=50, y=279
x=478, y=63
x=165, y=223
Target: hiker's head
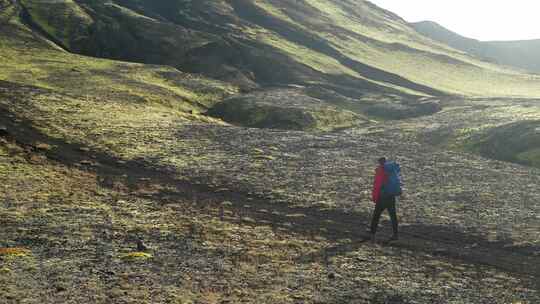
x=382, y=161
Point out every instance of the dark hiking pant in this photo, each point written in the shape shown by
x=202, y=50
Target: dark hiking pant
x=383, y=204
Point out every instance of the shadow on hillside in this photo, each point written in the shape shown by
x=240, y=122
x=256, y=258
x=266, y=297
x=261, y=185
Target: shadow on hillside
x=334, y=225
x=249, y=11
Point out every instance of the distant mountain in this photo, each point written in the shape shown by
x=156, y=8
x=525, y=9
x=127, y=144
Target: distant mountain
x=523, y=54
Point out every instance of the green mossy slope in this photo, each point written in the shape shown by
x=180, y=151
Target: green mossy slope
x=517, y=142
x=267, y=42
x=284, y=109
x=28, y=58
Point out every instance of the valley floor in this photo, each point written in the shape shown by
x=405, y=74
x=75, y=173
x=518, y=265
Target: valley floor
x=236, y=215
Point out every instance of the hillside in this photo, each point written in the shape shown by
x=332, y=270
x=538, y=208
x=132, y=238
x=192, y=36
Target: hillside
x=347, y=46
x=524, y=55
x=117, y=186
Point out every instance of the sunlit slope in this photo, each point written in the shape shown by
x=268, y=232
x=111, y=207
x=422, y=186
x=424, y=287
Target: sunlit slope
x=28, y=58
x=131, y=32
x=364, y=33
x=344, y=44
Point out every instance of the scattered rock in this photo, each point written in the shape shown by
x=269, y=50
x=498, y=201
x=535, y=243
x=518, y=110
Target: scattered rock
x=141, y=246
x=248, y=220
x=60, y=289
x=86, y=163
x=227, y=204
x=440, y=251
x=43, y=147
x=4, y=131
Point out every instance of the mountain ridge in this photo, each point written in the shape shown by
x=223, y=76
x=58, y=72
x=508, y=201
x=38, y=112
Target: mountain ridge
x=522, y=54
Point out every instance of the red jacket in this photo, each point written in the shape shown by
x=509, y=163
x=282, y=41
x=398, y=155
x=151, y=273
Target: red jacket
x=380, y=179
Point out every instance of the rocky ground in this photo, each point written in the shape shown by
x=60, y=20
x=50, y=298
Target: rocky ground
x=238, y=215
x=114, y=188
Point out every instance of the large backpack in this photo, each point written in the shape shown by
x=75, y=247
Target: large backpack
x=392, y=187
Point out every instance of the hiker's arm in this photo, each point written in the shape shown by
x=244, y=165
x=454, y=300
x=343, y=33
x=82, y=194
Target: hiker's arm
x=377, y=185
x=401, y=184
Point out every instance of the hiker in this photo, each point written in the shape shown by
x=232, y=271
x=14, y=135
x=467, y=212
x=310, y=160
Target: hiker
x=386, y=186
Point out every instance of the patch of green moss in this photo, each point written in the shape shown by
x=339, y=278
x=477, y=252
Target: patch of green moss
x=136, y=256
x=15, y=252
x=264, y=157
x=517, y=142
x=284, y=110
x=63, y=20
x=531, y=157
